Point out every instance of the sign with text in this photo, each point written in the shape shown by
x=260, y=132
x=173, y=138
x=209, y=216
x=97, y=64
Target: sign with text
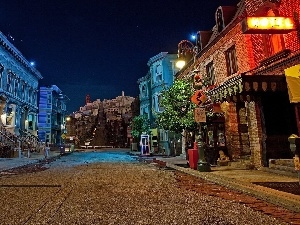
x=268, y=25
x=199, y=115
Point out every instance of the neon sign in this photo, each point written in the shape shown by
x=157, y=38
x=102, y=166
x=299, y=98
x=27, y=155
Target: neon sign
x=268, y=25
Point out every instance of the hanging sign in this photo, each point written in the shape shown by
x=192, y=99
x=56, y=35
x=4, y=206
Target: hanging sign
x=199, y=115
x=199, y=97
x=268, y=25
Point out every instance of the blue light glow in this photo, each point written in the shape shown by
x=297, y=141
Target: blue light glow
x=32, y=63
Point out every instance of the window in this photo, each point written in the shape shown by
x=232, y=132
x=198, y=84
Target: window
x=231, y=61
x=154, y=102
x=210, y=73
x=159, y=99
x=48, y=118
x=8, y=88
x=144, y=90
x=158, y=73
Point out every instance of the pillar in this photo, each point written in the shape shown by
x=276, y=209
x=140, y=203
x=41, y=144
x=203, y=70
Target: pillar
x=255, y=133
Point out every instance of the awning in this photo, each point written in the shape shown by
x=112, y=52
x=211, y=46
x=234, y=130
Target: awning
x=247, y=86
x=293, y=82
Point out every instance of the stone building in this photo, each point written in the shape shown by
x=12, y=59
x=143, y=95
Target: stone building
x=244, y=57
x=18, y=90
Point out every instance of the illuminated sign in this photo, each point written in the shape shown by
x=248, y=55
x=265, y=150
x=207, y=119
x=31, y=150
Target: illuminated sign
x=268, y=25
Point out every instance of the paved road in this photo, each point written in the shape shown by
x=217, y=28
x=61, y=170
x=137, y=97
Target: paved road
x=112, y=188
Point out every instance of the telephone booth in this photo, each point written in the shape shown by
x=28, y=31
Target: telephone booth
x=145, y=144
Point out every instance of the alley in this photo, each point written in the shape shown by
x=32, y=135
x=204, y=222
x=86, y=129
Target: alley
x=87, y=188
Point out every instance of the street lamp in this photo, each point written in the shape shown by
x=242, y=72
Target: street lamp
x=185, y=53
x=180, y=63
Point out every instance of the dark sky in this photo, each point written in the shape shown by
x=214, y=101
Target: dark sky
x=100, y=47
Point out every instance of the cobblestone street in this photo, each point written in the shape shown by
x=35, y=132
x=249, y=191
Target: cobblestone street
x=125, y=193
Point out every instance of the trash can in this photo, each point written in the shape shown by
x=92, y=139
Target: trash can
x=193, y=158
x=62, y=149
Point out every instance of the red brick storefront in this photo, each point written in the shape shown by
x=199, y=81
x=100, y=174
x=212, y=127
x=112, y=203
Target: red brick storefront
x=248, y=72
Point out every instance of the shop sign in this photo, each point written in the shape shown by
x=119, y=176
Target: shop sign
x=199, y=115
x=268, y=25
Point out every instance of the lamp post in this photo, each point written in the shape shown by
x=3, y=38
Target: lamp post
x=199, y=98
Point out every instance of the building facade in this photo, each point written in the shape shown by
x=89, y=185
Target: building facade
x=245, y=67
x=160, y=76
x=52, y=115
x=18, y=90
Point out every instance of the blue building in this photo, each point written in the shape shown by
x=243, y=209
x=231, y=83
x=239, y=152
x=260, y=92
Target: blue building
x=160, y=75
x=52, y=115
x=18, y=91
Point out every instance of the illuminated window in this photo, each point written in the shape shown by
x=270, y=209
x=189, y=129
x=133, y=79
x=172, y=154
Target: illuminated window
x=210, y=73
x=231, y=61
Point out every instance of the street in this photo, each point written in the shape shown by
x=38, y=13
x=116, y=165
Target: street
x=113, y=188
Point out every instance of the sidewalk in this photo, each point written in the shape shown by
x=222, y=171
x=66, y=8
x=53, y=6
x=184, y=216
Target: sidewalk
x=243, y=180
x=10, y=163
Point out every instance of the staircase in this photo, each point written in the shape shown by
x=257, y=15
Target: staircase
x=12, y=145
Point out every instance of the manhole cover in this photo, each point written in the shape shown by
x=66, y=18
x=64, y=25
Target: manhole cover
x=289, y=187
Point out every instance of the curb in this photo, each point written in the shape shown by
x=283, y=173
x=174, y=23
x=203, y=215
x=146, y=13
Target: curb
x=286, y=200
x=283, y=199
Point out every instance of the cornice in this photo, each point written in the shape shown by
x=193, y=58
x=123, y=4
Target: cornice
x=18, y=55
x=156, y=58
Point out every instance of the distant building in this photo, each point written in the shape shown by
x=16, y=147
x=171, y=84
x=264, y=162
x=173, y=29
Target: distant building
x=18, y=90
x=52, y=114
x=118, y=108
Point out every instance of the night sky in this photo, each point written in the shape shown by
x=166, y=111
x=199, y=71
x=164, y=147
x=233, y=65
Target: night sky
x=100, y=47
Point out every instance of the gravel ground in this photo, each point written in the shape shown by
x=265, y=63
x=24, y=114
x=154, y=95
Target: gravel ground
x=113, y=193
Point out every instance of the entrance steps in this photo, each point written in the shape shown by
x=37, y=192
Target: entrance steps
x=282, y=166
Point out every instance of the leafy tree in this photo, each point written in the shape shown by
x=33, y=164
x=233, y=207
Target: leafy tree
x=178, y=113
x=139, y=125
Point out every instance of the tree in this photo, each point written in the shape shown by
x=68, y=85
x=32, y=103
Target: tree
x=178, y=113
x=139, y=125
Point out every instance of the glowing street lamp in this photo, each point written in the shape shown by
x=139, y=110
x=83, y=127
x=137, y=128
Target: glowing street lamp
x=180, y=63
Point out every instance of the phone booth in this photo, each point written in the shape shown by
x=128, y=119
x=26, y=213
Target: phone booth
x=145, y=144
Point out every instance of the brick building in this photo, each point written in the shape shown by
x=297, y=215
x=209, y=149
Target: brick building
x=246, y=67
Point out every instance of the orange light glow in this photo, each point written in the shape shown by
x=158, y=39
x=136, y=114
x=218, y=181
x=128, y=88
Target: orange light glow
x=270, y=24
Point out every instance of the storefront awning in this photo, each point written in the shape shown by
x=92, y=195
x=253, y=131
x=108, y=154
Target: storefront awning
x=293, y=82
x=247, y=86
